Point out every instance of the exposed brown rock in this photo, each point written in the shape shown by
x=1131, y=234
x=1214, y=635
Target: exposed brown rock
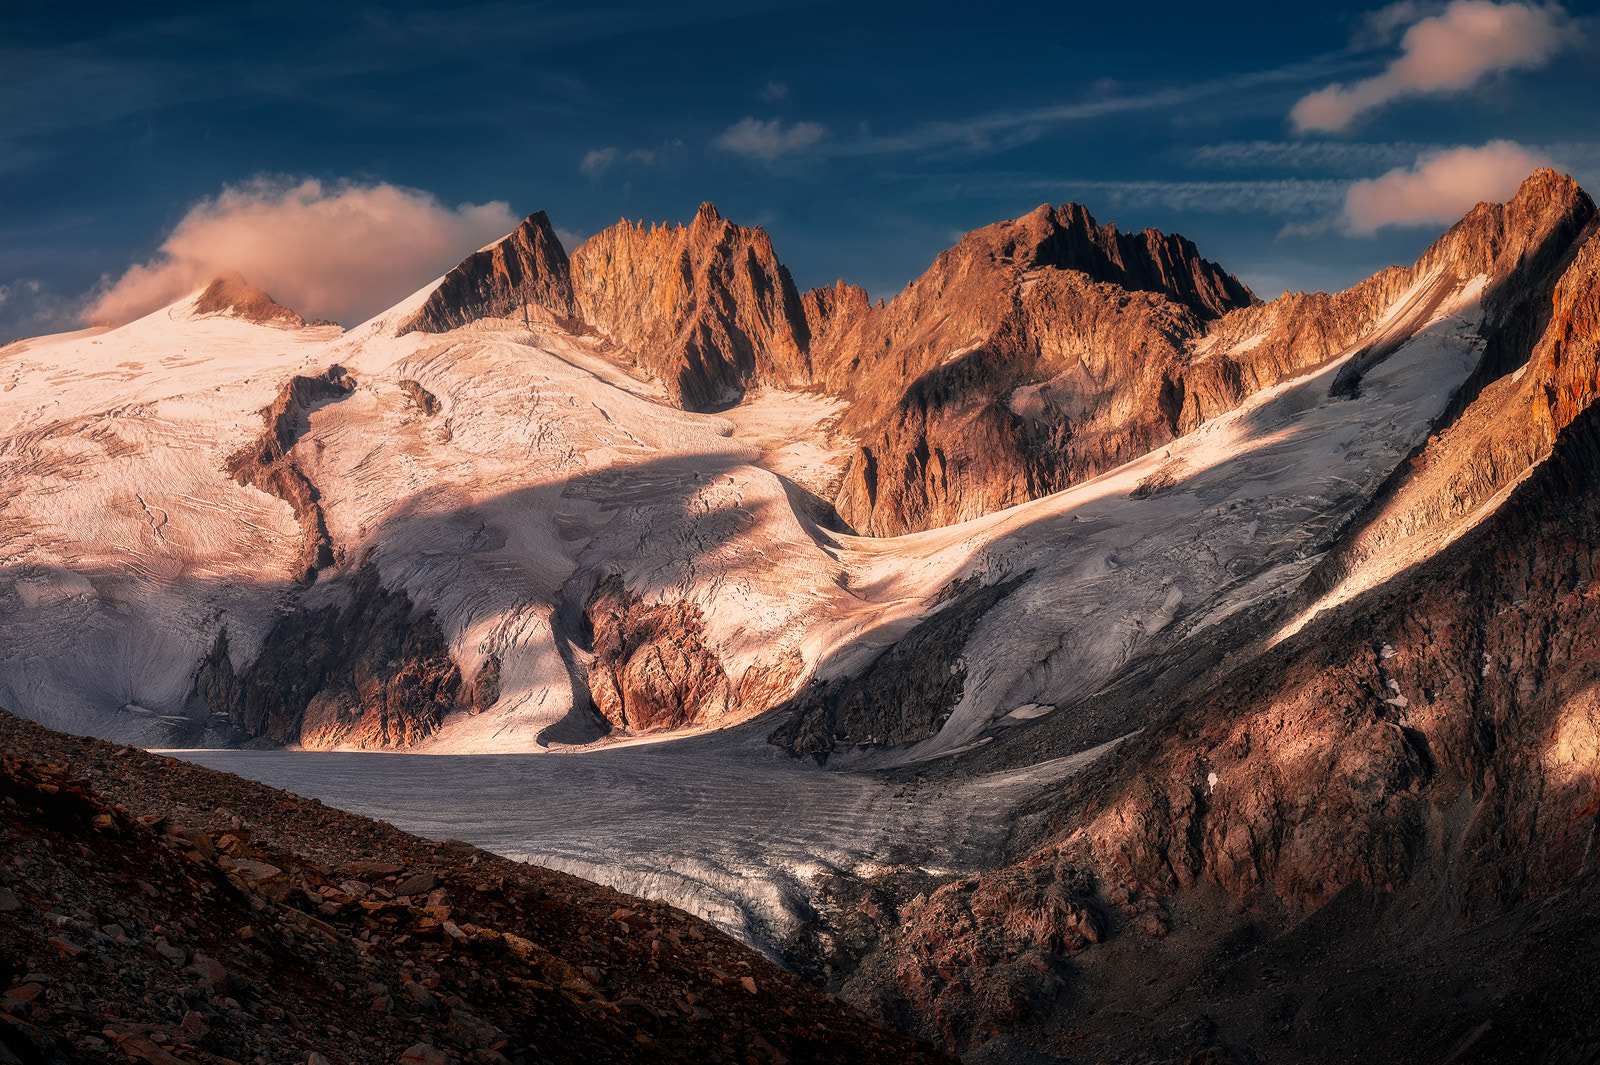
x=484, y=691
x=426, y=401
x=364, y=674
x=1033, y=355
x=706, y=308
x=1435, y=740
x=528, y=269
x=1543, y=333
x=961, y=417
x=651, y=667
x=232, y=295
x=983, y=955
x=1334, y=753
x=1003, y=373
x=265, y=463
x=1438, y=739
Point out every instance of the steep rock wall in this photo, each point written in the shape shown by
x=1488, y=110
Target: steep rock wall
x=528, y=269
x=1440, y=729
x=706, y=308
x=367, y=673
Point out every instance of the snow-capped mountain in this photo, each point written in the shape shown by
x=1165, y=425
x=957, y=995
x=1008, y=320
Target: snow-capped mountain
x=1210, y=615
x=485, y=521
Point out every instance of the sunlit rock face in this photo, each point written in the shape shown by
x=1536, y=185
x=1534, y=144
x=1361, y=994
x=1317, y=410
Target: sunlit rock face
x=232, y=295
x=706, y=308
x=592, y=558
x=528, y=269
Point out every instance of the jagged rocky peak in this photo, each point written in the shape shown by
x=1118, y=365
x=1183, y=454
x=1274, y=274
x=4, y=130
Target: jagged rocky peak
x=526, y=270
x=707, y=308
x=1068, y=238
x=230, y=294
x=1548, y=210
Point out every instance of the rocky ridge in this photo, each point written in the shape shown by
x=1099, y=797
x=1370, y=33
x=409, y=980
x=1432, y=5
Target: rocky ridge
x=265, y=463
x=528, y=269
x=706, y=308
x=232, y=295
x=1033, y=355
x=1430, y=740
x=366, y=670
x=152, y=910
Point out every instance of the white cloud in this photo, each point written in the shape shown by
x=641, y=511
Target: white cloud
x=768, y=140
x=1438, y=188
x=1446, y=53
x=597, y=162
x=775, y=92
x=344, y=251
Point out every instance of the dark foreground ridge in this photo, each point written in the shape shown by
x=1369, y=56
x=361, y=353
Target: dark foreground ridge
x=155, y=911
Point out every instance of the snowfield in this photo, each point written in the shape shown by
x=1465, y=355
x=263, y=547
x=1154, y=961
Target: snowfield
x=548, y=467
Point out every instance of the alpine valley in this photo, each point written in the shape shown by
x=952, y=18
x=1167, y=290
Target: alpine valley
x=1075, y=658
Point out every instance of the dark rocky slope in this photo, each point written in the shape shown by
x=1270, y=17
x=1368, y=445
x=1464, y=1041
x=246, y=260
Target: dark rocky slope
x=1401, y=802
x=365, y=671
x=155, y=911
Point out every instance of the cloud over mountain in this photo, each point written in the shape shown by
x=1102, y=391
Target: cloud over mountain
x=1446, y=53
x=342, y=251
x=1438, y=188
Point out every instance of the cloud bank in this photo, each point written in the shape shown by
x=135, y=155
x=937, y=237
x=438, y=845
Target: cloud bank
x=769, y=140
x=1438, y=188
x=1446, y=53
x=344, y=251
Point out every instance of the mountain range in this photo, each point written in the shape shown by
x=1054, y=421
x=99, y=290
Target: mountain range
x=1281, y=613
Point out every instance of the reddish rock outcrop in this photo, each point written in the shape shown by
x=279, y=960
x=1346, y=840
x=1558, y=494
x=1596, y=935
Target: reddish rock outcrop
x=528, y=269
x=651, y=669
x=1034, y=354
x=1333, y=759
x=983, y=955
x=1436, y=739
x=232, y=295
x=1005, y=372
x=265, y=463
x=706, y=308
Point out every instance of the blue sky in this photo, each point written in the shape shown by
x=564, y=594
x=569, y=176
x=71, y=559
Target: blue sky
x=865, y=137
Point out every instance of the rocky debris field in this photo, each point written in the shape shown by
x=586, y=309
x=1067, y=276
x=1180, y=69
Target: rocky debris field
x=156, y=911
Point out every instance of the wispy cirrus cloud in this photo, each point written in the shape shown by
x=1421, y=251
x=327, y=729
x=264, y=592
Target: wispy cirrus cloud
x=343, y=251
x=1438, y=188
x=1445, y=53
x=1338, y=157
x=1007, y=128
x=597, y=163
x=769, y=140
x=1276, y=198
